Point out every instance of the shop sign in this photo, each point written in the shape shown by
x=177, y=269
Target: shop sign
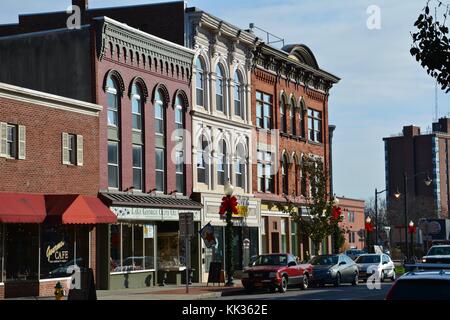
x=242, y=207
x=150, y=214
x=57, y=253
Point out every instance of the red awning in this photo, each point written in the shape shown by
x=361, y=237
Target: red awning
x=22, y=208
x=78, y=209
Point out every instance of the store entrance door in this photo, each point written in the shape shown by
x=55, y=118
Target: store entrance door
x=275, y=242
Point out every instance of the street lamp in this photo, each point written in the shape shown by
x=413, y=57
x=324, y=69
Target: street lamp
x=397, y=195
x=376, y=213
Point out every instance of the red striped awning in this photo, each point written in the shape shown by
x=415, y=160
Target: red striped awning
x=78, y=209
x=22, y=208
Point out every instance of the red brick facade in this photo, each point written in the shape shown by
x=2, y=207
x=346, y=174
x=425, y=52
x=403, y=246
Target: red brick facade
x=42, y=170
x=176, y=81
x=353, y=222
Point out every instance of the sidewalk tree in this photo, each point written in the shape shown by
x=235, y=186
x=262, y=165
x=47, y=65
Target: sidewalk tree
x=320, y=222
x=431, y=44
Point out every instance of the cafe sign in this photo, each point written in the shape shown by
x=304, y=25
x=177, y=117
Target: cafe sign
x=57, y=253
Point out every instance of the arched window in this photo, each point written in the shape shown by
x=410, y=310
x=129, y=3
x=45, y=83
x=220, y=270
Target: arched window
x=283, y=114
x=222, y=163
x=160, y=154
x=200, y=82
x=239, y=101
x=220, y=101
x=203, y=160
x=292, y=113
x=240, y=166
x=179, y=153
x=136, y=106
x=284, y=174
x=113, y=101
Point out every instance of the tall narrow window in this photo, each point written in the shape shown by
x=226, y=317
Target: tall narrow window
x=292, y=112
x=303, y=184
x=301, y=115
x=222, y=163
x=11, y=141
x=263, y=110
x=137, y=167
x=219, y=88
x=238, y=95
x=136, y=107
x=240, y=167
x=72, y=148
x=200, y=82
x=202, y=160
x=283, y=115
x=179, y=155
x=160, y=155
x=265, y=175
x=113, y=102
x=284, y=174
x=315, y=125
x=113, y=164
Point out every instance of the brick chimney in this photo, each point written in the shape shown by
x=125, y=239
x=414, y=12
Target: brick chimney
x=83, y=4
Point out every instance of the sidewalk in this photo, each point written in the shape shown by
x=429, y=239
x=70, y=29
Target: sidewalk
x=197, y=291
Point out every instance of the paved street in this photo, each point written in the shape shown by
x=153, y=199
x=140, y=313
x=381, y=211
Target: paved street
x=344, y=292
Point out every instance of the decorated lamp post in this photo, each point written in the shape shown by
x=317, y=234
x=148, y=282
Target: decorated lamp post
x=336, y=213
x=227, y=208
x=412, y=230
x=369, y=230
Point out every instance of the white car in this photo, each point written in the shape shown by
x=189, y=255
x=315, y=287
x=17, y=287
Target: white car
x=378, y=264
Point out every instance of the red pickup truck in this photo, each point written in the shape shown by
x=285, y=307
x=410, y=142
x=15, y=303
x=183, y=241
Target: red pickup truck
x=276, y=271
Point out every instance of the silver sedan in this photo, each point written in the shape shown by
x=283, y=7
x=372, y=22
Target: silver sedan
x=377, y=264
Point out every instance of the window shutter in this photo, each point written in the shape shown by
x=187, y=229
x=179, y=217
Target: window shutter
x=79, y=150
x=22, y=142
x=3, y=138
x=65, y=148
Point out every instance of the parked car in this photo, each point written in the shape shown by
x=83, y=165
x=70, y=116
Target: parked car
x=438, y=254
x=379, y=264
x=422, y=285
x=276, y=271
x=333, y=269
x=354, y=253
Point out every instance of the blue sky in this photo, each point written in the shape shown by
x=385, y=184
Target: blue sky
x=382, y=87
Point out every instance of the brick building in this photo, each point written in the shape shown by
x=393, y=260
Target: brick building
x=290, y=111
x=49, y=182
x=143, y=82
x=424, y=158
x=353, y=222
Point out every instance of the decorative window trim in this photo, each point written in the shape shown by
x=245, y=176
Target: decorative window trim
x=184, y=98
x=166, y=96
x=114, y=74
x=141, y=83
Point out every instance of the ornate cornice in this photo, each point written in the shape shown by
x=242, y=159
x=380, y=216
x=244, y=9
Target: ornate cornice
x=115, y=33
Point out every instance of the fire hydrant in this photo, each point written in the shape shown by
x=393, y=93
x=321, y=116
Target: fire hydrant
x=59, y=291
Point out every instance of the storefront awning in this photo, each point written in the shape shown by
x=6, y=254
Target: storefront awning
x=78, y=209
x=122, y=199
x=22, y=208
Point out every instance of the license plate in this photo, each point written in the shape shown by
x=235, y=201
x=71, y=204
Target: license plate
x=258, y=284
x=258, y=274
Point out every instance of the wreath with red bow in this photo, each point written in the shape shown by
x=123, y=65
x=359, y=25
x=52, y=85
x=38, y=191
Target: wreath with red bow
x=228, y=203
x=369, y=227
x=336, y=213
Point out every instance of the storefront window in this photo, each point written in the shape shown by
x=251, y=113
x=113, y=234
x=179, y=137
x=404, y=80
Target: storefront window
x=283, y=236
x=263, y=235
x=57, y=254
x=294, y=238
x=168, y=250
x=254, y=245
x=21, y=251
x=216, y=253
x=132, y=247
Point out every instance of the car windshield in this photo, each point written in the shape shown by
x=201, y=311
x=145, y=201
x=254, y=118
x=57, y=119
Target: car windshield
x=368, y=259
x=324, y=260
x=421, y=290
x=271, y=260
x=439, y=251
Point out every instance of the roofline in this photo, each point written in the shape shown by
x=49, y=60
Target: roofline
x=352, y=199
x=227, y=28
x=144, y=34
x=46, y=99
x=284, y=55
